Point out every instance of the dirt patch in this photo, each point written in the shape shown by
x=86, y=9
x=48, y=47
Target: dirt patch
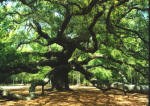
x=80, y=96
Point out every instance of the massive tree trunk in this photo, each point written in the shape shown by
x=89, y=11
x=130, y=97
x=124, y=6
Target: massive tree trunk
x=59, y=78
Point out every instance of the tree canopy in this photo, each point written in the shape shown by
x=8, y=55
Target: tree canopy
x=84, y=35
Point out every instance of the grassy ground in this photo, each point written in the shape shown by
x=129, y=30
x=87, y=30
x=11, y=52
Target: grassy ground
x=80, y=96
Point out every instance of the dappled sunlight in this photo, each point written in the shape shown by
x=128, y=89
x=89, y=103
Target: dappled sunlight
x=80, y=96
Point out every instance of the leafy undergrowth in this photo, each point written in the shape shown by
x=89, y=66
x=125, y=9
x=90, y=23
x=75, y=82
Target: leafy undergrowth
x=80, y=96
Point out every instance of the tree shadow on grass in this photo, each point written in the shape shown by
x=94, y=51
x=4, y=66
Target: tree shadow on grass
x=81, y=97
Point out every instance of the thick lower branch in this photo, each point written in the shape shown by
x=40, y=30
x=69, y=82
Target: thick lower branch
x=12, y=96
x=126, y=88
x=82, y=70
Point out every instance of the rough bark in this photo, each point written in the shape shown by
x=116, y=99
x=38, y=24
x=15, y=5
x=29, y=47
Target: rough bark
x=126, y=88
x=12, y=96
x=7, y=95
x=59, y=78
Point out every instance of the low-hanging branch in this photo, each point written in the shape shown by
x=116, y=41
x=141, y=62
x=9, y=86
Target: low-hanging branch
x=81, y=69
x=110, y=66
x=126, y=88
x=125, y=62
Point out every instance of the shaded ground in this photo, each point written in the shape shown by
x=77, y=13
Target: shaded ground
x=80, y=96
